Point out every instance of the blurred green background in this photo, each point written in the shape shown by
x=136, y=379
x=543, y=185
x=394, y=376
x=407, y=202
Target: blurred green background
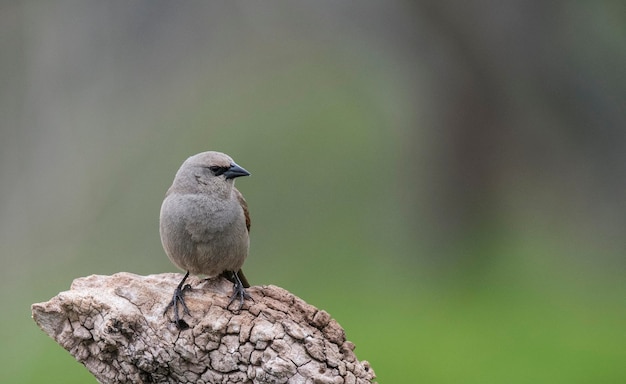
x=447, y=179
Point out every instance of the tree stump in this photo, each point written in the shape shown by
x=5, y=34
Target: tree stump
x=115, y=326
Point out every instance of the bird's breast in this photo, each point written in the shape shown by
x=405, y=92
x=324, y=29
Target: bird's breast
x=203, y=235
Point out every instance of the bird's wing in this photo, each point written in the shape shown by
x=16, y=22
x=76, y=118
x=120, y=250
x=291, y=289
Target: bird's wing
x=244, y=205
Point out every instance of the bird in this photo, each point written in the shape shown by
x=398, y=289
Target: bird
x=204, y=225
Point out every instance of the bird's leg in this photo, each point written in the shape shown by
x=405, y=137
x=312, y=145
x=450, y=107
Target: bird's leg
x=239, y=291
x=178, y=298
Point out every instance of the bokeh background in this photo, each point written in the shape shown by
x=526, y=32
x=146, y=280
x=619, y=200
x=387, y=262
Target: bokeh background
x=446, y=178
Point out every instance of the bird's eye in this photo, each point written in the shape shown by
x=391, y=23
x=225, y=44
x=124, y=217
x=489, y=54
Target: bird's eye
x=217, y=170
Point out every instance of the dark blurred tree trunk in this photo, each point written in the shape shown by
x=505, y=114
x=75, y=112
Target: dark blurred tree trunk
x=511, y=99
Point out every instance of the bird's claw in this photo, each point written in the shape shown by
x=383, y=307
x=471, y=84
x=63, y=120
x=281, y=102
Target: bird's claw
x=239, y=292
x=178, y=298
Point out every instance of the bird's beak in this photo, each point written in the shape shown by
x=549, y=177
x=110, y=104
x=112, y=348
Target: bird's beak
x=235, y=171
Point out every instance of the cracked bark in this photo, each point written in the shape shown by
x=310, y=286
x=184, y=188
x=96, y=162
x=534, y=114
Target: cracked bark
x=115, y=326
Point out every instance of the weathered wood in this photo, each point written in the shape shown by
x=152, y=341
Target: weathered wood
x=115, y=326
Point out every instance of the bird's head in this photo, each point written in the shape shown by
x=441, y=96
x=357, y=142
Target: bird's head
x=207, y=172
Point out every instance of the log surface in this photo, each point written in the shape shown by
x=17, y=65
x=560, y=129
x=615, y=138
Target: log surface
x=115, y=326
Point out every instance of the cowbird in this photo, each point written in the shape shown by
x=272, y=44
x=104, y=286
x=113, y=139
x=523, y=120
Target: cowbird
x=204, y=225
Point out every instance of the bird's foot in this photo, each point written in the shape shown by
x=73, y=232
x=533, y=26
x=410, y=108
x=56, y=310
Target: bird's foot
x=239, y=292
x=178, y=298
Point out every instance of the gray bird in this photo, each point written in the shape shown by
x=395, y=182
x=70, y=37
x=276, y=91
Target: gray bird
x=204, y=225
